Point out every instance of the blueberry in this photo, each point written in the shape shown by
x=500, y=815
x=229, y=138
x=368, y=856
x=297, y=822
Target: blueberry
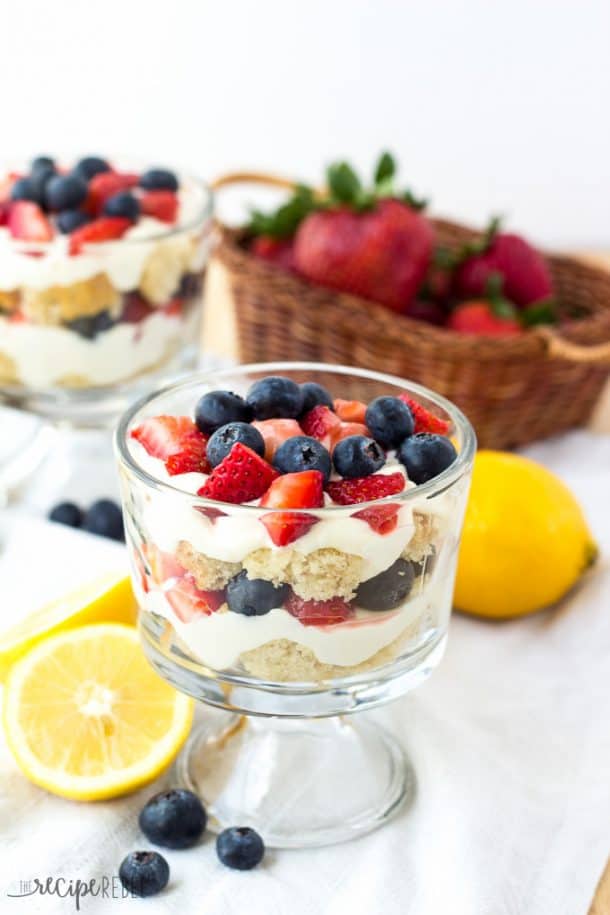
x=144, y=873
x=358, y=456
x=25, y=189
x=388, y=589
x=65, y=192
x=240, y=847
x=425, y=456
x=105, y=519
x=302, y=453
x=92, y=325
x=42, y=163
x=275, y=397
x=223, y=439
x=159, y=179
x=69, y=220
x=217, y=408
x=123, y=204
x=389, y=421
x=313, y=395
x=90, y=166
x=67, y=513
x=174, y=819
x=253, y=597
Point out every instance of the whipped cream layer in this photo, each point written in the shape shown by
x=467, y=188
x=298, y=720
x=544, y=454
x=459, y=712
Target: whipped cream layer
x=220, y=638
x=122, y=261
x=44, y=355
x=168, y=520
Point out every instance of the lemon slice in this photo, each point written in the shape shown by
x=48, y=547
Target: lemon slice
x=86, y=717
x=108, y=599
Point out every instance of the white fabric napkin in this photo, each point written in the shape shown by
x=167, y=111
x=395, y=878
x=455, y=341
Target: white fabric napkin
x=510, y=739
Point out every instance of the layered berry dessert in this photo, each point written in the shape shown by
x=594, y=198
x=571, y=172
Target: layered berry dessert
x=100, y=271
x=292, y=542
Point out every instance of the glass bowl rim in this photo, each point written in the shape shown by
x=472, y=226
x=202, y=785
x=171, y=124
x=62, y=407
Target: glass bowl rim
x=437, y=484
x=204, y=214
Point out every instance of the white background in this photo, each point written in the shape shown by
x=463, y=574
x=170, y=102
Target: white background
x=492, y=106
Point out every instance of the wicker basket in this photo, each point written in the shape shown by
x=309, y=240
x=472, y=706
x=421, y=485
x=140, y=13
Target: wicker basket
x=514, y=390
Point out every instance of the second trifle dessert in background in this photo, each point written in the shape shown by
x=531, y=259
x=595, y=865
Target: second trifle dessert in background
x=312, y=556
x=100, y=271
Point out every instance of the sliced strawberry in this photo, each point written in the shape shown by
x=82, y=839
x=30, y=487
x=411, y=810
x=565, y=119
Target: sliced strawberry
x=189, y=603
x=162, y=565
x=350, y=411
x=162, y=436
x=344, y=430
x=175, y=440
x=423, y=419
x=366, y=489
x=320, y=423
x=275, y=432
x=5, y=209
x=381, y=518
x=162, y=205
x=192, y=457
x=319, y=612
x=27, y=221
x=107, y=228
x=105, y=185
x=292, y=490
x=136, y=309
x=240, y=477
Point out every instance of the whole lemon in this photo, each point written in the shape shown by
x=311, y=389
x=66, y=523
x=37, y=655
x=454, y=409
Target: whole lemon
x=525, y=540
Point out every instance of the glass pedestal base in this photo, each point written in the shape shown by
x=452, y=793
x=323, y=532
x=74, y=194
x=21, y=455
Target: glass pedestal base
x=300, y=783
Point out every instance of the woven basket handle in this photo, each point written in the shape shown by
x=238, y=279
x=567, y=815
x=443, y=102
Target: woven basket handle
x=252, y=178
x=559, y=348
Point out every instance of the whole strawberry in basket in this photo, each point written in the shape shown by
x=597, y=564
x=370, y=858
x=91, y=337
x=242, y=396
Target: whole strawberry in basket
x=372, y=242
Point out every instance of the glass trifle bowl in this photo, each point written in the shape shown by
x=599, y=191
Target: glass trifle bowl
x=101, y=271
x=327, y=594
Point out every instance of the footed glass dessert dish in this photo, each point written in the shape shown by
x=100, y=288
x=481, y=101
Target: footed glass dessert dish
x=293, y=533
x=101, y=271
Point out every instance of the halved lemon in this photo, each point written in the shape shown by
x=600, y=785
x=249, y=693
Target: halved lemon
x=107, y=599
x=87, y=718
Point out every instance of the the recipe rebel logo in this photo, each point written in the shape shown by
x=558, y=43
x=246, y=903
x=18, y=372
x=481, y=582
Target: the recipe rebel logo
x=105, y=887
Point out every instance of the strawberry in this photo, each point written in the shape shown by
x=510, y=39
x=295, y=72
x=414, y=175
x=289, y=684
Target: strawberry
x=292, y=490
x=175, y=440
x=105, y=185
x=319, y=612
x=278, y=251
x=321, y=423
x=27, y=221
x=240, y=477
x=135, y=309
x=380, y=254
x=189, y=603
x=478, y=318
x=275, y=432
x=381, y=518
x=174, y=307
x=5, y=210
x=162, y=565
x=350, y=411
x=162, y=205
x=423, y=310
x=106, y=228
x=191, y=458
x=525, y=272
x=423, y=419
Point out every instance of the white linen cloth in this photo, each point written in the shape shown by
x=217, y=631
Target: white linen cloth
x=510, y=739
